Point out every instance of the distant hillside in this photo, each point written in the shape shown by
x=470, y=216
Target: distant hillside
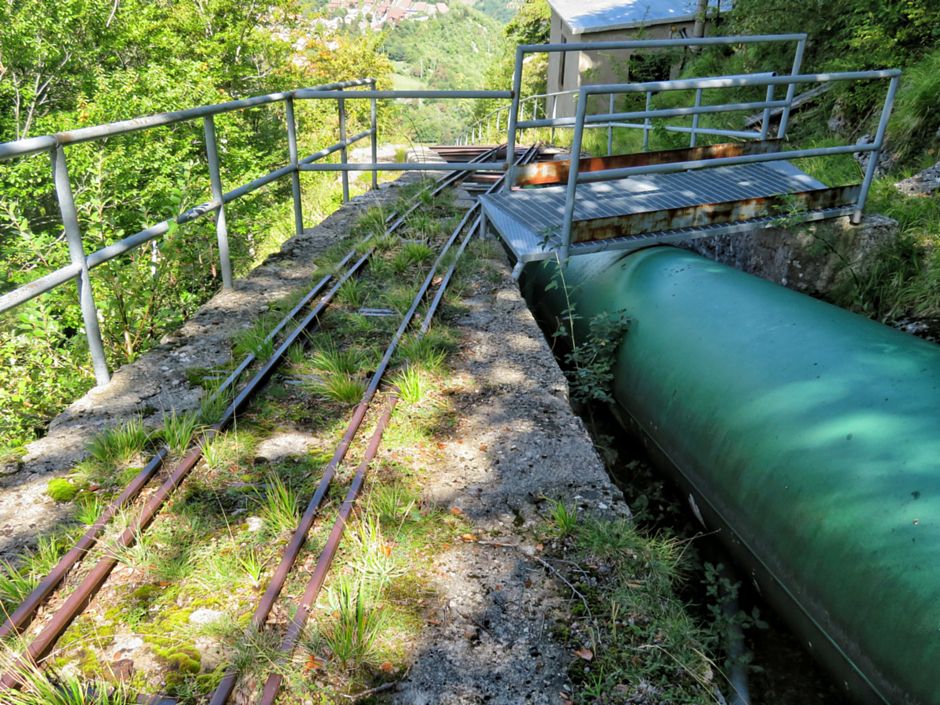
x=447, y=51
x=500, y=10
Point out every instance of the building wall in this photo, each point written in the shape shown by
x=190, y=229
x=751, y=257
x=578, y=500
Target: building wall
x=593, y=67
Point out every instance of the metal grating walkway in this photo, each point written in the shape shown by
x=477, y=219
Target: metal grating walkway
x=529, y=220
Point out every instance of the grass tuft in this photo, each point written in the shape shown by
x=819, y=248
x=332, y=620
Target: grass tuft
x=564, y=518
x=342, y=388
x=411, y=253
x=178, y=430
x=121, y=444
x=351, y=634
x=279, y=505
x=15, y=585
x=411, y=385
x=253, y=341
x=39, y=688
x=329, y=360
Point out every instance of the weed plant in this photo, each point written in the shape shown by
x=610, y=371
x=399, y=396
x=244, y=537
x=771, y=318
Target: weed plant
x=37, y=687
x=278, y=505
x=119, y=445
x=411, y=385
x=178, y=430
x=341, y=388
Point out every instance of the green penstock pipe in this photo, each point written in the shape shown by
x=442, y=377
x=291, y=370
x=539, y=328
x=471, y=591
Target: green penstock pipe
x=807, y=435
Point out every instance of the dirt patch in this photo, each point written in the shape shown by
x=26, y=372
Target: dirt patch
x=516, y=446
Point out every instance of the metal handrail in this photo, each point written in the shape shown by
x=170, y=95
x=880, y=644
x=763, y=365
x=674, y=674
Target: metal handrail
x=799, y=39
x=82, y=263
x=45, y=143
x=582, y=120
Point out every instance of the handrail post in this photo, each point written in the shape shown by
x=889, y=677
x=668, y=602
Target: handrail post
x=647, y=122
x=575, y=164
x=791, y=88
x=765, y=123
x=698, y=104
x=343, y=158
x=876, y=152
x=374, y=127
x=610, y=128
x=73, y=234
x=215, y=179
x=554, y=116
x=513, y=118
x=295, y=174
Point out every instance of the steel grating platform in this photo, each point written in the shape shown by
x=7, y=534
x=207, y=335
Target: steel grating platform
x=529, y=220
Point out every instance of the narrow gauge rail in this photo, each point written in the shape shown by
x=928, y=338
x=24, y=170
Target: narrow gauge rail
x=469, y=224
x=40, y=647
x=20, y=618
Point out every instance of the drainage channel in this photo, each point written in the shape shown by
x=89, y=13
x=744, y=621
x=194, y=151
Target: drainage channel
x=350, y=266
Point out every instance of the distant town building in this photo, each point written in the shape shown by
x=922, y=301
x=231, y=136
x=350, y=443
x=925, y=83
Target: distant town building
x=611, y=20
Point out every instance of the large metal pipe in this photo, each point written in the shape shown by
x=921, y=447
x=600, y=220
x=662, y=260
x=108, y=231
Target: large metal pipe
x=807, y=436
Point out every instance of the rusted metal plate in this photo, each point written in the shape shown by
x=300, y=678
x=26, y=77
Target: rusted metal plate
x=784, y=205
x=556, y=172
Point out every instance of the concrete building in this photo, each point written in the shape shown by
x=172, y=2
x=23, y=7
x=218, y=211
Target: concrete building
x=612, y=20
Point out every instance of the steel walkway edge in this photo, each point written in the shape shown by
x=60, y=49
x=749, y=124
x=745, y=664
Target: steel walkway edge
x=628, y=214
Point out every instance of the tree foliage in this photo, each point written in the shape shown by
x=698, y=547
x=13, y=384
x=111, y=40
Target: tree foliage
x=448, y=51
x=71, y=63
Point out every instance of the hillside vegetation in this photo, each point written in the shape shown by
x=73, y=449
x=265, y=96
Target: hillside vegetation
x=447, y=52
x=70, y=63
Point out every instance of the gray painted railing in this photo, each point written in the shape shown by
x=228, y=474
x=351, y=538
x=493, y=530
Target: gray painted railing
x=83, y=262
x=582, y=119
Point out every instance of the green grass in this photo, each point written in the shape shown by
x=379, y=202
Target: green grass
x=373, y=558
x=15, y=585
x=352, y=293
x=341, y=388
x=411, y=384
x=40, y=688
x=178, y=430
x=351, y=632
x=121, y=444
x=254, y=341
x=279, y=505
x=62, y=489
x=411, y=254
x=915, y=117
x=639, y=631
x=331, y=361
x=213, y=406
x=564, y=518
x=903, y=278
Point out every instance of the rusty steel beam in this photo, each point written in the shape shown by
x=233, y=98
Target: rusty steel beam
x=786, y=205
x=556, y=172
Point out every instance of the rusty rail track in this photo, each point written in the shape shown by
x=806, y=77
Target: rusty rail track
x=40, y=647
x=304, y=605
x=470, y=222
